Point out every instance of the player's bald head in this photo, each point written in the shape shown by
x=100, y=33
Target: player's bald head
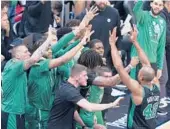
x=146, y=74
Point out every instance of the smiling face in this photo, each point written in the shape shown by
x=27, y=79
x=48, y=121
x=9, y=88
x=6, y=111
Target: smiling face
x=156, y=7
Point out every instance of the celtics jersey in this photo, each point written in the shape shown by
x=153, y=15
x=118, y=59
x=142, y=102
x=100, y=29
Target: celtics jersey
x=143, y=116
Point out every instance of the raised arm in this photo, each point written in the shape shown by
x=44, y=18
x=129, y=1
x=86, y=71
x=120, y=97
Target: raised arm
x=114, y=80
x=70, y=54
x=142, y=56
x=139, y=13
x=132, y=85
x=39, y=52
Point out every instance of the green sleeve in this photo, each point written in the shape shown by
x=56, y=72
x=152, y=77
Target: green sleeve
x=161, y=49
x=63, y=42
x=17, y=68
x=139, y=13
x=62, y=52
x=58, y=54
x=71, y=46
x=42, y=66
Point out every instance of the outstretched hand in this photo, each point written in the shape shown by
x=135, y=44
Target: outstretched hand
x=86, y=37
x=134, y=61
x=117, y=101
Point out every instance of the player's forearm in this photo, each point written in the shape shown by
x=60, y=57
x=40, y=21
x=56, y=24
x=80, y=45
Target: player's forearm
x=63, y=42
x=99, y=107
x=142, y=56
x=78, y=119
x=29, y=62
x=66, y=57
x=115, y=57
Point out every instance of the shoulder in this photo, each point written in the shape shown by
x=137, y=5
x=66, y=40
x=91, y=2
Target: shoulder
x=44, y=64
x=66, y=87
x=12, y=64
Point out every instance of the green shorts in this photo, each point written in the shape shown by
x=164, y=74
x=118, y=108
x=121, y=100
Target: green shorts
x=36, y=118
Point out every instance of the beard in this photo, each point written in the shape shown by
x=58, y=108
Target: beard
x=101, y=7
x=156, y=14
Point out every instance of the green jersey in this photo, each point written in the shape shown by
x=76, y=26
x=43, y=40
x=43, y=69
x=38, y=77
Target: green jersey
x=151, y=36
x=14, y=85
x=40, y=84
x=94, y=95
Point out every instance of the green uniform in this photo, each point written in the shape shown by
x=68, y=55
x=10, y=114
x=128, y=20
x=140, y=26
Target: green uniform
x=63, y=71
x=41, y=89
x=94, y=95
x=40, y=86
x=14, y=83
x=151, y=36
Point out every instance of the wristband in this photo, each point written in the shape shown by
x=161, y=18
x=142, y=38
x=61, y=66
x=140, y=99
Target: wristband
x=83, y=127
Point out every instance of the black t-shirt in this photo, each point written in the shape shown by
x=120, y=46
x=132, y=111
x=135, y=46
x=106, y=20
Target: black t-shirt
x=62, y=112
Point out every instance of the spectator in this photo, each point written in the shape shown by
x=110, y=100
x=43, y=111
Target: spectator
x=36, y=18
x=56, y=8
x=105, y=21
x=152, y=35
x=5, y=34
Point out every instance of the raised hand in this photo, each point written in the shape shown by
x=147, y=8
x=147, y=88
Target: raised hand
x=91, y=13
x=88, y=17
x=112, y=37
x=134, y=61
x=86, y=37
x=52, y=34
x=134, y=34
x=88, y=30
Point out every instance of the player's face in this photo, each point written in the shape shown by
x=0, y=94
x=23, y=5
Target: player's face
x=48, y=53
x=83, y=78
x=23, y=53
x=156, y=6
x=98, y=47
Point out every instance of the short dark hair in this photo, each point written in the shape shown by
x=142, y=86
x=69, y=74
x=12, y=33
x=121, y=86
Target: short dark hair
x=57, y=5
x=77, y=69
x=73, y=23
x=4, y=4
x=93, y=42
x=62, y=31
